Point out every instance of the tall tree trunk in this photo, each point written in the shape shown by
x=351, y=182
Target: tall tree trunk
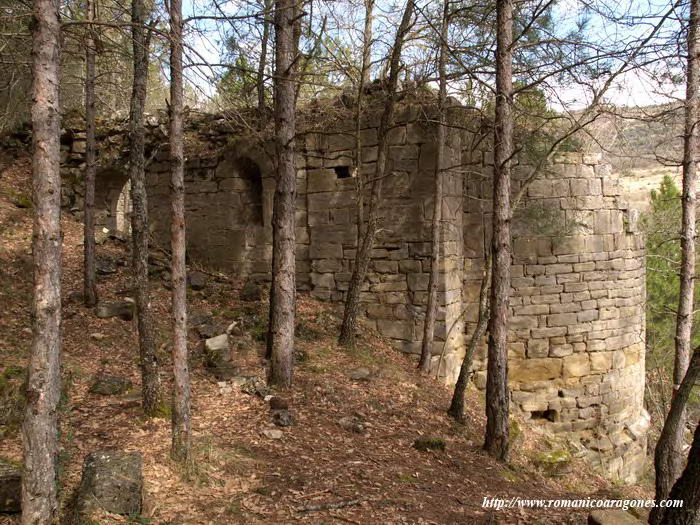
x=267, y=7
x=667, y=456
x=89, y=278
x=687, y=489
x=40, y=425
x=497, y=396
x=181, y=395
x=363, y=81
x=283, y=294
x=668, y=449
x=365, y=73
x=150, y=377
x=432, y=307
x=362, y=258
x=459, y=395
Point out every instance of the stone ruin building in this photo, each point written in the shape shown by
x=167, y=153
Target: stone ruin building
x=576, y=351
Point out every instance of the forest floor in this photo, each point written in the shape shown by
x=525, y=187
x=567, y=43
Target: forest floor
x=240, y=475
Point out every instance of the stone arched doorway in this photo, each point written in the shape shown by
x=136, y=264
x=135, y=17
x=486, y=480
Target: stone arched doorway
x=112, y=201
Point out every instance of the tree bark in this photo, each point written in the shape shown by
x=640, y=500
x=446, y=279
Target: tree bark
x=283, y=294
x=497, y=395
x=363, y=80
x=40, y=425
x=362, y=258
x=668, y=449
x=181, y=394
x=459, y=395
x=150, y=377
x=365, y=73
x=666, y=455
x=432, y=307
x=89, y=277
x=687, y=489
x=267, y=6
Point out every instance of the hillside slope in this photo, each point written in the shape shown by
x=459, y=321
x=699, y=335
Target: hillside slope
x=351, y=442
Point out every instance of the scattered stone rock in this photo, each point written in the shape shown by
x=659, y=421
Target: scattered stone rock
x=255, y=386
x=360, y=374
x=123, y=309
x=429, y=443
x=112, y=481
x=207, y=330
x=217, y=343
x=106, y=385
x=20, y=200
x=272, y=433
x=118, y=236
x=251, y=292
x=98, y=336
x=196, y=280
x=554, y=462
x=101, y=237
x=225, y=371
x=239, y=380
x=234, y=329
x=612, y=517
x=74, y=297
x=199, y=317
x=352, y=424
x=158, y=259
x=10, y=488
x=217, y=357
x=224, y=387
x=282, y=418
x=105, y=266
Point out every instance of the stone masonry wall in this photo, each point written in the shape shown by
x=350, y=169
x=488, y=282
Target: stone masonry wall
x=394, y=296
x=576, y=347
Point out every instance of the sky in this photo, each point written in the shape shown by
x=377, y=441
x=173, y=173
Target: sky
x=631, y=89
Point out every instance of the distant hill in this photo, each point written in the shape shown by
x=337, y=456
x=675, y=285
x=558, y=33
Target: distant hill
x=641, y=138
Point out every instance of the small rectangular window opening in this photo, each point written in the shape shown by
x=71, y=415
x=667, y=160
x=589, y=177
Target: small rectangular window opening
x=343, y=172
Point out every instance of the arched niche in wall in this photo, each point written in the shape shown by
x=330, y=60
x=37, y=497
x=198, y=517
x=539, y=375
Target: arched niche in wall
x=230, y=211
x=112, y=200
x=252, y=164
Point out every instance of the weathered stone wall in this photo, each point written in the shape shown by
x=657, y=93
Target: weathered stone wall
x=394, y=296
x=576, y=348
x=228, y=207
x=229, y=188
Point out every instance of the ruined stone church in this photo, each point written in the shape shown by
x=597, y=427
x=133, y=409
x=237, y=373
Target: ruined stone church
x=576, y=350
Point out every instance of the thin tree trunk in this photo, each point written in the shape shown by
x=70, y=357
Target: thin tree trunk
x=150, y=377
x=271, y=310
x=362, y=258
x=497, y=396
x=668, y=449
x=365, y=74
x=89, y=279
x=283, y=300
x=364, y=79
x=687, y=489
x=40, y=425
x=432, y=307
x=459, y=395
x=267, y=6
x=181, y=395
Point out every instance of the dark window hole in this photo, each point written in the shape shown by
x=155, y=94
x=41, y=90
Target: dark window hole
x=343, y=172
x=549, y=415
